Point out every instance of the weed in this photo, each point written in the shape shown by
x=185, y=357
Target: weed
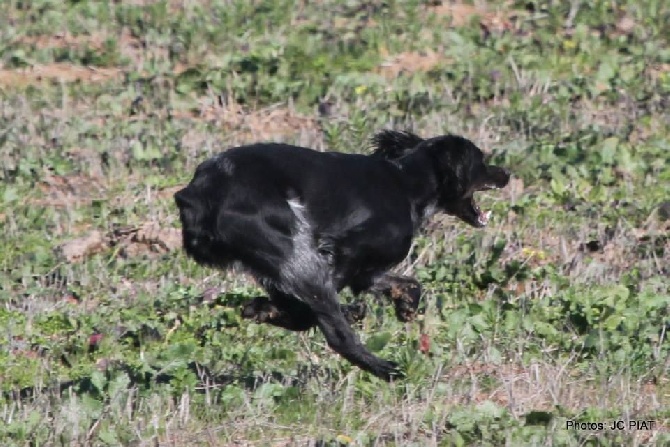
x=557, y=312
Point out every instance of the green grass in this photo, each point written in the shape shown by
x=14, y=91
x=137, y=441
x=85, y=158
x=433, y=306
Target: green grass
x=558, y=311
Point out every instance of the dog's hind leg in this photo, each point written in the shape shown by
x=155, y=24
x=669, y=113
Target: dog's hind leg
x=342, y=338
x=307, y=274
x=324, y=311
x=403, y=291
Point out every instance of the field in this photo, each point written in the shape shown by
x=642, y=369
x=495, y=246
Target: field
x=559, y=311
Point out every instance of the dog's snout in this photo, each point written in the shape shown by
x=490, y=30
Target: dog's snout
x=507, y=175
x=179, y=197
x=500, y=176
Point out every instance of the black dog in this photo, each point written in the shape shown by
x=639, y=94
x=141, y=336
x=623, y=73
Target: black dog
x=307, y=224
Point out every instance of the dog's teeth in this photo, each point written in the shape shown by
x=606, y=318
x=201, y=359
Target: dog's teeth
x=484, y=217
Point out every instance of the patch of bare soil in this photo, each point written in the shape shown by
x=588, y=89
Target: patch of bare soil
x=68, y=190
x=494, y=20
x=408, y=62
x=64, y=41
x=460, y=15
x=268, y=123
x=78, y=249
x=148, y=239
x=264, y=124
x=56, y=72
x=128, y=46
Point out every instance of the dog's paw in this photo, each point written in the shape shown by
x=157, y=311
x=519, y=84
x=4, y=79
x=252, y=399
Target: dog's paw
x=260, y=309
x=406, y=297
x=354, y=312
x=388, y=371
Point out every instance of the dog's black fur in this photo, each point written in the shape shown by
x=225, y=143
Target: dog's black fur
x=307, y=224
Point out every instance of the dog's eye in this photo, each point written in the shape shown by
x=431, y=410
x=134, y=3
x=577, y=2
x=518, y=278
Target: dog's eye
x=325, y=251
x=328, y=253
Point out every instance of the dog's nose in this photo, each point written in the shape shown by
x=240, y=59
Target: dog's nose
x=502, y=177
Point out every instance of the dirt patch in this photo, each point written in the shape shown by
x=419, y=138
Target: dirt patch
x=62, y=191
x=127, y=45
x=64, y=41
x=408, y=62
x=268, y=123
x=241, y=124
x=129, y=48
x=148, y=239
x=499, y=19
x=78, y=249
x=460, y=15
x=58, y=72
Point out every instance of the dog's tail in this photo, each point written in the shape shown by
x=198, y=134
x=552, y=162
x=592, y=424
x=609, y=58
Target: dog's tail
x=394, y=144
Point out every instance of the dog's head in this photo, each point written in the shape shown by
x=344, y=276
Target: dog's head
x=461, y=172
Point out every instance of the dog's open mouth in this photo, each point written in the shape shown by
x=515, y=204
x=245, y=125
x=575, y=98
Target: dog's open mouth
x=482, y=217
x=467, y=209
x=477, y=217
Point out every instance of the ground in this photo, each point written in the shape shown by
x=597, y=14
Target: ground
x=558, y=311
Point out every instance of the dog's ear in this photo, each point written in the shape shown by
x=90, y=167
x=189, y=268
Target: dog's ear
x=393, y=144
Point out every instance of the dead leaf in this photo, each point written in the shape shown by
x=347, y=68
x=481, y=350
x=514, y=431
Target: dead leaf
x=424, y=343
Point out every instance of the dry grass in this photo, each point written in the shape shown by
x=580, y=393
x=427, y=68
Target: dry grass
x=127, y=257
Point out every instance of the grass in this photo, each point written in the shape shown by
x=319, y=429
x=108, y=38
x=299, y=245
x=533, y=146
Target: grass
x=558, y=311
